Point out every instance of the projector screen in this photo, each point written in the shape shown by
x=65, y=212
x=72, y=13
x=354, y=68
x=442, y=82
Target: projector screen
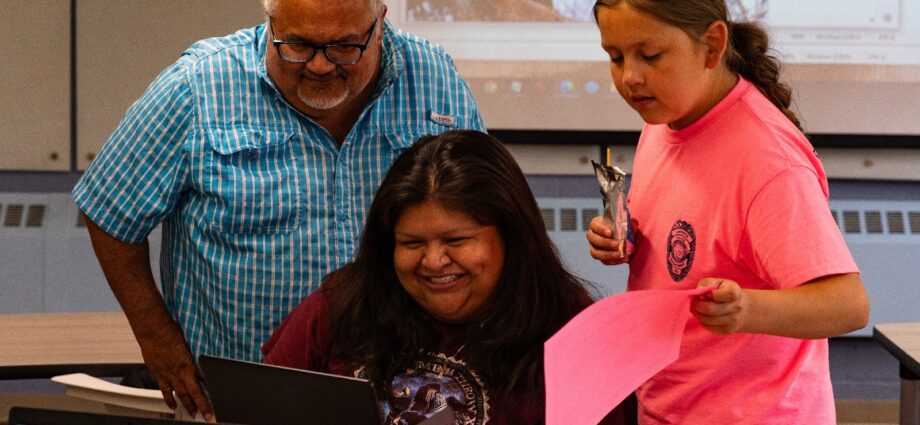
x=854, y=65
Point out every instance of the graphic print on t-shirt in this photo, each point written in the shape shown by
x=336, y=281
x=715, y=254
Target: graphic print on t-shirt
x=429, y=386
x=681, y=249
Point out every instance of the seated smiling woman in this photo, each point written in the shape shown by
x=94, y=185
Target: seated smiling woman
x=453, y=291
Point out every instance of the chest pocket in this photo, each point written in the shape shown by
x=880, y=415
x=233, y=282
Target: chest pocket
x=255, y=181
x=386, y=147
x=401, y=142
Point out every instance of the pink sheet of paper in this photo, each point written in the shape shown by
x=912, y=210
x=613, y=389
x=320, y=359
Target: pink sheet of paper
x=608, y=350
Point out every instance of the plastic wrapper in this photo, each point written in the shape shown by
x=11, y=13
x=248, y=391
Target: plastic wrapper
x=612, y=182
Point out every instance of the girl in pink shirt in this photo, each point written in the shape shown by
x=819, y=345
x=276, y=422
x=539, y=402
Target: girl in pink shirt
x=727, y=192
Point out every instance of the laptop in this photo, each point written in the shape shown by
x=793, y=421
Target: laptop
x=260, y=394
x=38, y=416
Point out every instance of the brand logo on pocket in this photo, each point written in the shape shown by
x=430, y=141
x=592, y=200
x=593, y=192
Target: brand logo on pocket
x=443, y=119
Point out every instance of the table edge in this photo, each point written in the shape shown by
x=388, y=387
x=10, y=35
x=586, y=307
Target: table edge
x=906, y=360
x=49, y=371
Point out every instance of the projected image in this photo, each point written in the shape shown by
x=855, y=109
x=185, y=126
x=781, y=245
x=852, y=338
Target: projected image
x=538, y=10
x=854, y=32
x=575, y=10
x=499, y=10
x=747, y=10
x=538, y=64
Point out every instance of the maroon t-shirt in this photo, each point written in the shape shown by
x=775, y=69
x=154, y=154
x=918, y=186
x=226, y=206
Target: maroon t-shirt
x=435, y=380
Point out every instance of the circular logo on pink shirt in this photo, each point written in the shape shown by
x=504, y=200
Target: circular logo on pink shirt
x=681, y=250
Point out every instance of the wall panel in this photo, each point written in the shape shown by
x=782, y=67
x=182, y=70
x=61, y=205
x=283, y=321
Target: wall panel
x=35, y=42
x=122, y=46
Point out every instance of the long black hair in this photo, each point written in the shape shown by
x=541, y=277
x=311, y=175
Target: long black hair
x=748, y=53
x=379, y=327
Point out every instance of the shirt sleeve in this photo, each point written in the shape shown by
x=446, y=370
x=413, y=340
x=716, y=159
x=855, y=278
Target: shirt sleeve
x=462, y=97
x=476, y=122
x=302, y=339
x=138, y=176
x=791, y=237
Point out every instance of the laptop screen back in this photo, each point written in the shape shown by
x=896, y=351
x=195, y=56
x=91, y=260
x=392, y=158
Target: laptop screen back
x=257, y=394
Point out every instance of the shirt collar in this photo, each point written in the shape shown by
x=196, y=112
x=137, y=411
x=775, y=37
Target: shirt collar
x=392, y=61
x=261, y=41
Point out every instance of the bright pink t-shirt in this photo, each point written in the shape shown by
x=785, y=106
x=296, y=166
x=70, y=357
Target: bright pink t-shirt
x=739, y=194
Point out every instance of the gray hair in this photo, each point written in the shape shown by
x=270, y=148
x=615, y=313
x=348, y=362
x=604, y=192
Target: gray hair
x=269, y=6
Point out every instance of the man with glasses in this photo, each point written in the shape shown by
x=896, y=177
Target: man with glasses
x=260, y=153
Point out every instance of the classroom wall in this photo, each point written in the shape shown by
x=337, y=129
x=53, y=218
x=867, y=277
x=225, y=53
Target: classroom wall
x=72, y=67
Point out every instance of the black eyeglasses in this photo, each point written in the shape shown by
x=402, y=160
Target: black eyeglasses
x=337, y=53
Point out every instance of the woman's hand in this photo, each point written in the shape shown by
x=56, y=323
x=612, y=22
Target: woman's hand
x=604, y=247
x=722, y=311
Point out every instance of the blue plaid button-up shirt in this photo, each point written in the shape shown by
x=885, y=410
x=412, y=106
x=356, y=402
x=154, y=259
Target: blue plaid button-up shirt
x=258, y=202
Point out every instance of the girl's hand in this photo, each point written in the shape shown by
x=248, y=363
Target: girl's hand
x=724, y=310
x=604, y=247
